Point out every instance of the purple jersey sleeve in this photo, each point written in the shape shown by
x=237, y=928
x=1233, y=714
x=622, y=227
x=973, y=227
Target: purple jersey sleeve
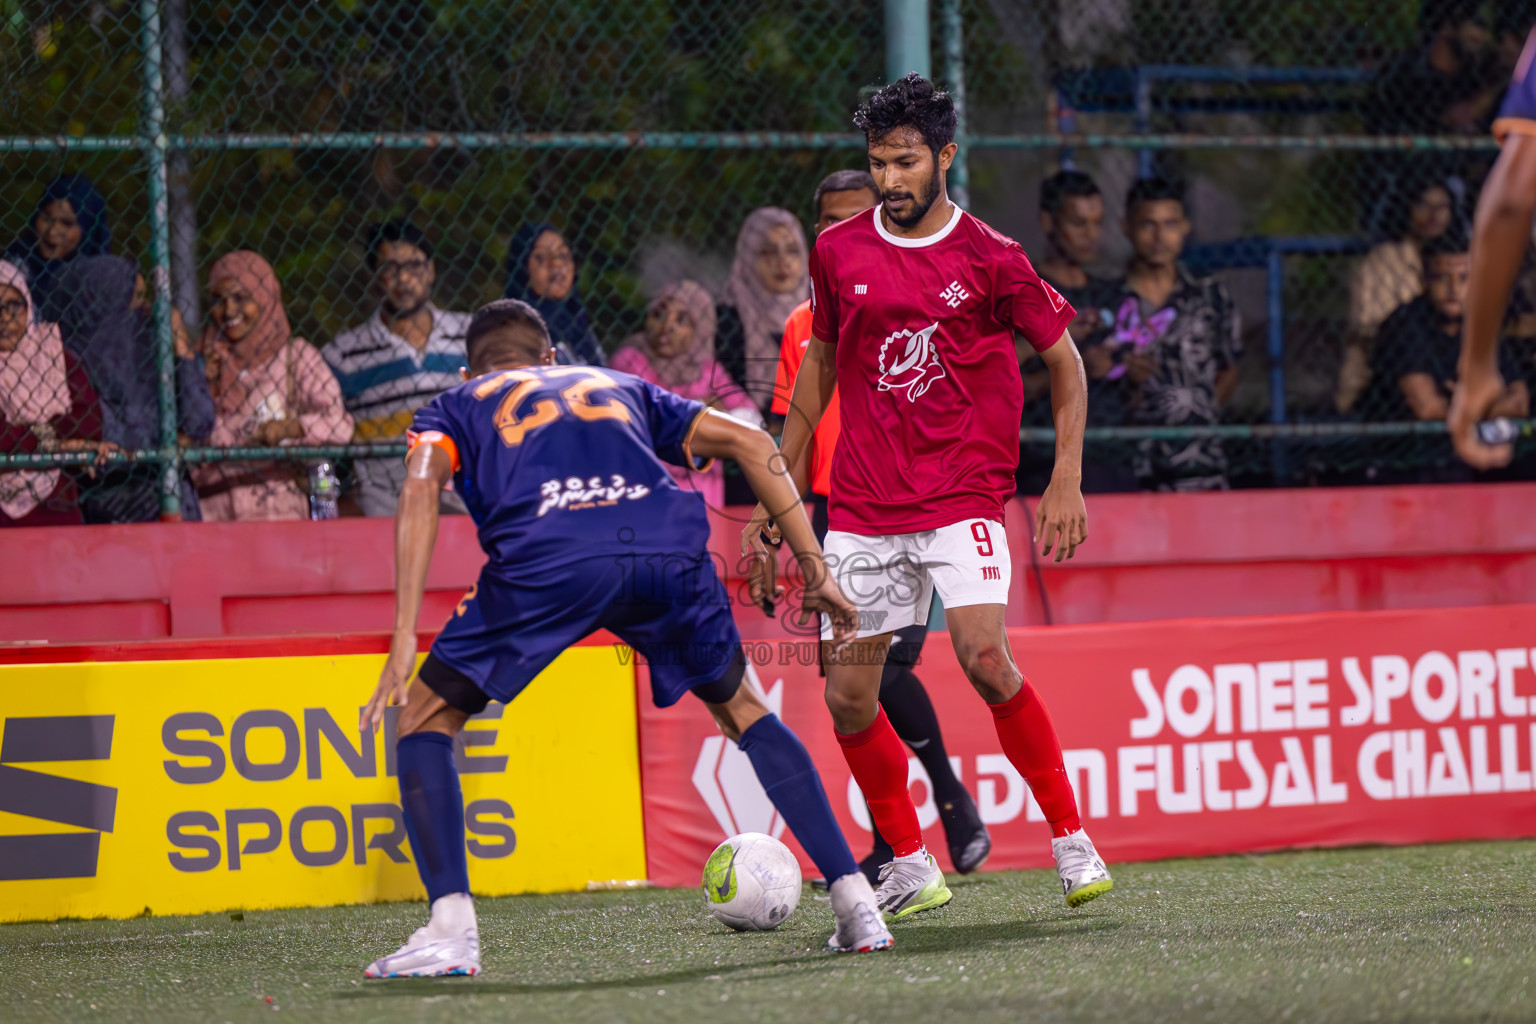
x=1517, y=114
x=433, y=416
x=670, y=419
x=432, y=424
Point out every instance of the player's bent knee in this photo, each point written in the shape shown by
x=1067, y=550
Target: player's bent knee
x=425, y=711
x=852, y=711
x=992, y=673
x=440, y=699
x=734, y=706
x=738, y=714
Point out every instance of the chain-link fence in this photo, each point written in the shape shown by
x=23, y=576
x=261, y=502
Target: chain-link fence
x=1319, y=148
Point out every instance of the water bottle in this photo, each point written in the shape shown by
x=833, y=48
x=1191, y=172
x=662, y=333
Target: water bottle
x=1499, y=431
x=324, y=489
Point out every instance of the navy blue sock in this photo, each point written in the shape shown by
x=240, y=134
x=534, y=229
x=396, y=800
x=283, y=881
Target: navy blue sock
x=434, y=811
x=789, y=777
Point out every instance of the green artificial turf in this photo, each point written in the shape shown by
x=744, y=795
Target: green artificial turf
x=1434, y=933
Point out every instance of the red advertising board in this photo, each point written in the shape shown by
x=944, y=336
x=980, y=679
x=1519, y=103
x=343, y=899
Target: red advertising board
x=1183, y=738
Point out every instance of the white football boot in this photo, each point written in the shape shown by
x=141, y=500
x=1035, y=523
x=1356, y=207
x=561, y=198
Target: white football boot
x=448, y=945
x=910, y=885
x=1082, y=870
x=860, y=928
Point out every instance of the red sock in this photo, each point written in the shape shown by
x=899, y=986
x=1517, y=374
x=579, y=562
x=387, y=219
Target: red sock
x=1029, y=740
x=879, y=765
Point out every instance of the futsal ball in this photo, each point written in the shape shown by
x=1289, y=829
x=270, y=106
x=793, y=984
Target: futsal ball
x=751, y=882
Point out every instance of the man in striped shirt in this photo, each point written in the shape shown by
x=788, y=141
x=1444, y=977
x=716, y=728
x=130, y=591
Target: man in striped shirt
x=401, y=358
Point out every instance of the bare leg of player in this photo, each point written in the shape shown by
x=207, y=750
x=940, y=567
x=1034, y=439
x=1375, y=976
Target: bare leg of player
x=912, y=715
x=1029, y=740
x=912, y=882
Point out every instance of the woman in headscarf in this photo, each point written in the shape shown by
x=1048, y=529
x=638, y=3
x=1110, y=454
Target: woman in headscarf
x=70, y=221
x=770, y=276
x=270, y=389
x=1391, y=275
x=106, y=323
x=676, y=351
x=46, y=404
x=541, y=271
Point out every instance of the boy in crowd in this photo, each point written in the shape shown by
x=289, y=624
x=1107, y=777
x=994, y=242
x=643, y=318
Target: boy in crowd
x=1176, y=341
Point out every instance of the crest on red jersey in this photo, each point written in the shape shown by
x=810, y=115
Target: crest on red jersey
x=1057, y=299
x=909, y=361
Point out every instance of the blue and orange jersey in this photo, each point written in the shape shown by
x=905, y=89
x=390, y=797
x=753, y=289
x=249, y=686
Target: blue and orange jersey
x=1517, y=114
x=558, y=463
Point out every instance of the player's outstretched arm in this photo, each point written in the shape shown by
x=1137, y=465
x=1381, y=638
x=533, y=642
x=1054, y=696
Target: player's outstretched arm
x=1500, y=235
x=428, y=470
x=1061, y=520
x=721, y=437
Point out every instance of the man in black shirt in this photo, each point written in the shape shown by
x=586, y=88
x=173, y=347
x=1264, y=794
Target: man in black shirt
x=1417, y=354
x=1072, y=218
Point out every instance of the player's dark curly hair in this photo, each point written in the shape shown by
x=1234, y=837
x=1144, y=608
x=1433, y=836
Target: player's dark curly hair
x=909, y=102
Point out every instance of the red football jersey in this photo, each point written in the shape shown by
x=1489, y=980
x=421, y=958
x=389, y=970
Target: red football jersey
x=926, y=368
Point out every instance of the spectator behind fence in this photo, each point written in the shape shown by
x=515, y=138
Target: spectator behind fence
x=1072, y=218
x=70, y=221
x=106, y=322
x=407, y=353
x=1176, y=342
x=677, y=351
x=541, y=271
x=270, y=388
x=1447, y=83
x=770, y=276
x=46, y=405
x=1417, y=354
x=841, y=195
x=1391, y=275
x=1510, y=23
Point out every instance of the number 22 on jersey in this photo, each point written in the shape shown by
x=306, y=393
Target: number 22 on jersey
x=514, y=424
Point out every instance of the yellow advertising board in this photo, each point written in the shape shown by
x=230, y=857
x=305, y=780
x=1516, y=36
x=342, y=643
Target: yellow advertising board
x=200, y=785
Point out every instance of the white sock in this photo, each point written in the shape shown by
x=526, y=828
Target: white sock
x=453, y=914
x=849, y=891
x=920, y=857
x=843, y=883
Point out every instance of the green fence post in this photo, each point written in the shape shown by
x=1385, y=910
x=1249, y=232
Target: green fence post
x=906, y=39
x=152, y=138
x=953, y=34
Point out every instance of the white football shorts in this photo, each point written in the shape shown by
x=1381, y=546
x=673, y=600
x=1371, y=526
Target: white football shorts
x=891, y=578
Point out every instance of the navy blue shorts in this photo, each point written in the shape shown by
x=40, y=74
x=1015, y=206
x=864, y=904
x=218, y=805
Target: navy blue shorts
x=673, y=611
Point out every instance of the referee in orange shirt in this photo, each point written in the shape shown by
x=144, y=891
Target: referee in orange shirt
x=844, y=194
